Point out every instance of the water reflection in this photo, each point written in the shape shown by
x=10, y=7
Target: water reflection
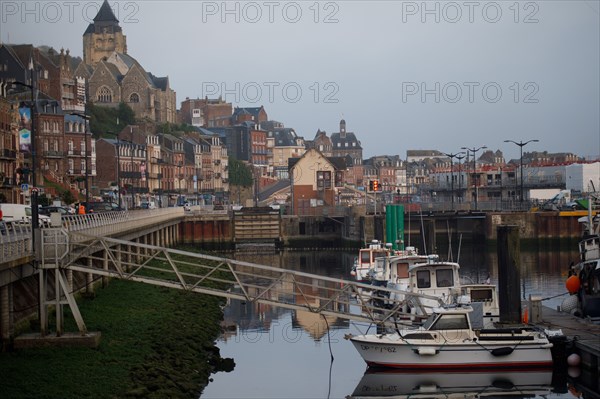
x=394, y=384
x=248, y=319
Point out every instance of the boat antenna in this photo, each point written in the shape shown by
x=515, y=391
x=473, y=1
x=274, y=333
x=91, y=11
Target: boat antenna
x=450, y=258
x=409, y=225
x=423, y=234
x=459, y=245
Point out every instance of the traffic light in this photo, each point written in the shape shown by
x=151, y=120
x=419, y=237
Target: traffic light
x=371, y=185
x=375, y=185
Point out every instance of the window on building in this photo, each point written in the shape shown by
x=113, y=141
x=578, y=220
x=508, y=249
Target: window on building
x=104, y=95
x=323, y=179
x=339, y=178
x=134, y=98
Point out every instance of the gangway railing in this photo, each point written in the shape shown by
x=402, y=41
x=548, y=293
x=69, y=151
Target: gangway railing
x=227, y=278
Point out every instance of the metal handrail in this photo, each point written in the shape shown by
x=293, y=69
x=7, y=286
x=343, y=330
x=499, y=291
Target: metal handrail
x=15, y=237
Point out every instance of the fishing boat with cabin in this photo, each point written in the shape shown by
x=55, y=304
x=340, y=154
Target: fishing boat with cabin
x=449, y=340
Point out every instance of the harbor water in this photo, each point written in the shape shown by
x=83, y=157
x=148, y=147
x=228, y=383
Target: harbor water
x=281, y=353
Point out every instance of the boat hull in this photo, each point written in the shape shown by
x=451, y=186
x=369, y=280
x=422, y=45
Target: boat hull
x=403, y=354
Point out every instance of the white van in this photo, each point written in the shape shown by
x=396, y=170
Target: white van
x=20, y=213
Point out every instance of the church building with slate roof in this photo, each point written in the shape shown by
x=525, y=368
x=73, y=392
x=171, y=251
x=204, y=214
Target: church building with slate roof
x=113, y=76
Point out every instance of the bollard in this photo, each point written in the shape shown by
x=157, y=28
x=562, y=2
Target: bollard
x=535, y=308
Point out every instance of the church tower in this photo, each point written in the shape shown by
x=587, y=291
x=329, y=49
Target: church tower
x=103, y=36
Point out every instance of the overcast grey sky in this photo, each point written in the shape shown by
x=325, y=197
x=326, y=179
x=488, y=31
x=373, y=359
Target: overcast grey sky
x=403, y=74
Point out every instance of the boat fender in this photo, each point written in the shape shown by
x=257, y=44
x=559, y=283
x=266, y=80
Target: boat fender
x=427, y=351
x=574, y=360
x=504, y=351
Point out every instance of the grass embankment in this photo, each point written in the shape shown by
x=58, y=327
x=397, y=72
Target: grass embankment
x=156, y=343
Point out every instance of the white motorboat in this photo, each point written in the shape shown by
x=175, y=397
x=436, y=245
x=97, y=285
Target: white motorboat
x=447, y=340
x=365, y=262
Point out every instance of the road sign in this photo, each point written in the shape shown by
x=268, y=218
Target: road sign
x=24, y=187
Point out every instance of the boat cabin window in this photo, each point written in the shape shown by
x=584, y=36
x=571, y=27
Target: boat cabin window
x=451, y=322
x=402, y=270
x=423, y=279
x=365, y=257
x=444, y=278
x=481, y=295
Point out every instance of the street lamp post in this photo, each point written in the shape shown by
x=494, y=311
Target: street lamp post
x=521, y=144
x=474, y=151
x=460, y=156
x=452, y=156
x=179, y=177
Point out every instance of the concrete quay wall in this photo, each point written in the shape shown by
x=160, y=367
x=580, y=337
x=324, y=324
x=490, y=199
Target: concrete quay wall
x=355, y=228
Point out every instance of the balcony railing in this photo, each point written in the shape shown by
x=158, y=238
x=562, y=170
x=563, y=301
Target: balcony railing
x=8, y=154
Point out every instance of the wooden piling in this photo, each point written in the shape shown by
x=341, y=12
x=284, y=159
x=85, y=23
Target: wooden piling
x=509, y=287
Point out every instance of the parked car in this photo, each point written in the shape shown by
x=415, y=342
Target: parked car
x=47, y=210
x=20, y=213
x=92, y=207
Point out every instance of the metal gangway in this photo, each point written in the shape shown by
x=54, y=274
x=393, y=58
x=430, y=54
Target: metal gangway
x=212, y=275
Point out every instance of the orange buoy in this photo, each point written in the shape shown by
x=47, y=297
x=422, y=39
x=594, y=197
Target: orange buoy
x=573, y=283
